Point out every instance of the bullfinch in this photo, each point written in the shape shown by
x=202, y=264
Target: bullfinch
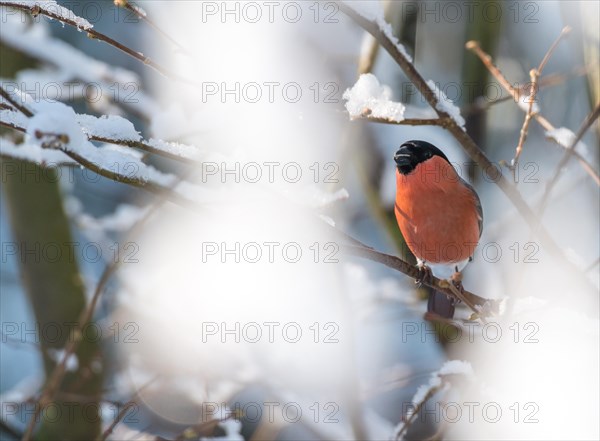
x=439, y=215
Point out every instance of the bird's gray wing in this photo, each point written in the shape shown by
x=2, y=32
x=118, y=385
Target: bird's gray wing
x=478, y=206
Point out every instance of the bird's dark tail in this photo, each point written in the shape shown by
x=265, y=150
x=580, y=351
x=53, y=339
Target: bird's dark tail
x=440, y=304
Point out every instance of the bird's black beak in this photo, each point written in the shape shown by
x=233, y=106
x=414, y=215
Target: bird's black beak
x=402, y=159
x=405, y=160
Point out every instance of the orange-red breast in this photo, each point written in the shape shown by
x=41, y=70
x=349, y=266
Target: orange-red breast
x=439, y=214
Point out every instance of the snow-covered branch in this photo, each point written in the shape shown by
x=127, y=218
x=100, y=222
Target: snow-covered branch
x=439, y=381
x=55, y=127
x=52, y=10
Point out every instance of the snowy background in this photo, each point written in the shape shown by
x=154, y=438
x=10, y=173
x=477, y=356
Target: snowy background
x=284, y=89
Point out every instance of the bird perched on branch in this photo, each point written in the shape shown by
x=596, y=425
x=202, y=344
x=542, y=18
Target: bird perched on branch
x=439, y=215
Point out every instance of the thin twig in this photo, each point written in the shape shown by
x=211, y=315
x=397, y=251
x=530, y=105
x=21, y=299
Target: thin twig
x=588, y=168
x=4, y=427
x=21, y=107
x=467, y=143
x=59, y=371
x=565, y=31
x=430, y=393
x=37, y=9
x=546, y=125
x=534, y=75
x=145, y=146
x=441, y=122
x=142, y=16
x=592, y=265
x=587, y=123
x=474, y=47
x=117, y=420
x=550, y=80
x=131, y=403
x=148, y=185
x=460, y=295
x=12, y=126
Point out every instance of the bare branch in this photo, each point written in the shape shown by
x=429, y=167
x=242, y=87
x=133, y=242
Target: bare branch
x=406, y=424
x=4, y=427
x=123, y=412
x=593, y=116
x=474, y=47
x=550, y=80
x=142, y=16
x=21, y=107
x=59, y=371
x=487, y=61
x=534, y=75
x=592, y=265
x=565, y=31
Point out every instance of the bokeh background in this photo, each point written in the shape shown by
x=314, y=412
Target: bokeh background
x=154, y=312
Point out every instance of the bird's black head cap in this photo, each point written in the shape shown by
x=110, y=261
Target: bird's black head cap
x=412, y=153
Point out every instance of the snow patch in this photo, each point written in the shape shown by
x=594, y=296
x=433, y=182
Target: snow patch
x=109, y=127
x=57, y=355
x=55, y=9
x=14, y=118
x=565, y=138
x=56, y=119
x=368, y=97
x=123, y=219
x=34, y=153
x=175, y=148
x=318, y=198
x=451, y=367
x=446, y=105
x=456, y=367
x=387, y=30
